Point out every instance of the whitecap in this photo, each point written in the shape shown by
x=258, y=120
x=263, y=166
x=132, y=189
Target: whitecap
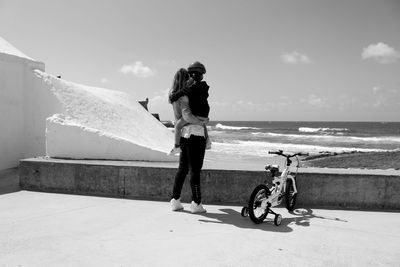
x=257, y=148
x=336, y=137
x=316, y=130
x=226, y=127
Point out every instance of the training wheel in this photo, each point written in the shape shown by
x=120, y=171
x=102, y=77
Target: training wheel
x=278, y=219
x=245, y=212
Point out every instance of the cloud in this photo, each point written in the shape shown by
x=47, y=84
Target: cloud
x=160, y=98
x=137, y=69
x=381, y=53
x=376, y=89
x=345, y=102
x=284, y=101
x=295, y=58
x=315, y=101
x=219, y=104
x=386, y=98
x=104, y=80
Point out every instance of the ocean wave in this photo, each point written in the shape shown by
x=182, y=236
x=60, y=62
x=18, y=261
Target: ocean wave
x=215, y=132
x=325, y=130
x=257, y=148
x=336, y=138
x=225, y=127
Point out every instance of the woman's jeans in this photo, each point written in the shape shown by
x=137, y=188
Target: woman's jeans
x=190, y=161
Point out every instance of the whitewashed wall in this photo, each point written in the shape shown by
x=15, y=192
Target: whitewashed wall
x=29, y=96
x=99, y=123
x=16, y=133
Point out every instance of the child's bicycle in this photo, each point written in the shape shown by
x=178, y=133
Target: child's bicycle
x=262, y=199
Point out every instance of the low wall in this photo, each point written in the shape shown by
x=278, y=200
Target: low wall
x=153, y=181
x=9, y=180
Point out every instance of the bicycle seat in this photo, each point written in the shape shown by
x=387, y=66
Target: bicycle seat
x=272, y=168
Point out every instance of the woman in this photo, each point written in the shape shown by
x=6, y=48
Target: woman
x=192, y=145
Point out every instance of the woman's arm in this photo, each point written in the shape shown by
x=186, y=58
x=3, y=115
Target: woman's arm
x=187, y=113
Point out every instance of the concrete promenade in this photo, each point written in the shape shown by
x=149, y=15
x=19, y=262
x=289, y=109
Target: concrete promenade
x=46, y=229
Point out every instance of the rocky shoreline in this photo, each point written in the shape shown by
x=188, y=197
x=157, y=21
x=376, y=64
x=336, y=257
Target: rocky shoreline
x=354, y=159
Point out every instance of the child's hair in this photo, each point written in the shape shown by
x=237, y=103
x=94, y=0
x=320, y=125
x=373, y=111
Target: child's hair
x=180, y=81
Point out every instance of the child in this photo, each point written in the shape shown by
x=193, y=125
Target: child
x=197, y=92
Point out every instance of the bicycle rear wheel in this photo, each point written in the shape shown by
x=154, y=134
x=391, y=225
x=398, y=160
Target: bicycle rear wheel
x=290, y=196
x=256, y=212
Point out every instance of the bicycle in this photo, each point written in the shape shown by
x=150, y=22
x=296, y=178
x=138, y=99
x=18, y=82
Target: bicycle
x=262, y=198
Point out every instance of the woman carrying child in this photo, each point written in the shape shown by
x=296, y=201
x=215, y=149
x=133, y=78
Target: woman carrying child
x=188, y=97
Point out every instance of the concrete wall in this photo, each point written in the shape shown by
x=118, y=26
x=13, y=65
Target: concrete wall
x=16, y=83
x=130, y=180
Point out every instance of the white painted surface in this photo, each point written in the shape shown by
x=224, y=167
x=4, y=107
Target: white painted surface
x=7, y=48
x=40, y=103
x=11, y=112
x=67, y=139
x=15, y=82
x=28, y=96
x=100, y=123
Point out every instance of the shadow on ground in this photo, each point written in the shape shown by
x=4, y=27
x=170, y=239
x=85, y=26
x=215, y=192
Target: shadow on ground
x=300, y=217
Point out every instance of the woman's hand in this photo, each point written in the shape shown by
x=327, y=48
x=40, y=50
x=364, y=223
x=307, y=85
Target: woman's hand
x=205, y=121
x=190, y=82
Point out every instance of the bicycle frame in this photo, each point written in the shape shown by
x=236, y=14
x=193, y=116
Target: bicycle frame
x=286, y=175
x=279, y=182
x=278, y=188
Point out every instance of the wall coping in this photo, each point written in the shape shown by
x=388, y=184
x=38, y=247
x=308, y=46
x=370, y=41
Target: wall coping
x=209, y=165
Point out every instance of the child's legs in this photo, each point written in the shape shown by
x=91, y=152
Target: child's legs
x=178, y=128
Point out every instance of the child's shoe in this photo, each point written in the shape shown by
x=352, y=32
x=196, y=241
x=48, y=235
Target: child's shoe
x=175, y=151
x=176, y=204
x=197, y=208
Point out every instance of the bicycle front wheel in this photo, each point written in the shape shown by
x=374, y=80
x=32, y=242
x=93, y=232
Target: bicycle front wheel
x=258, y=213
x=290, y=196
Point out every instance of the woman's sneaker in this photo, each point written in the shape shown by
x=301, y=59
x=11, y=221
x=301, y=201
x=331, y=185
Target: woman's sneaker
x=197, y=208
x=176, y=204
x=175, y=151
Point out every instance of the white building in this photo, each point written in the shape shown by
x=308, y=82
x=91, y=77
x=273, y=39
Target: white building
x=92, y=123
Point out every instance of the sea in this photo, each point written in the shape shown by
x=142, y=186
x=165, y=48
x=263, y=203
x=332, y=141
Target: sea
x=253, y=139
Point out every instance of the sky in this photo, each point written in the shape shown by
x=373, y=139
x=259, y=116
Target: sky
x=267, y=60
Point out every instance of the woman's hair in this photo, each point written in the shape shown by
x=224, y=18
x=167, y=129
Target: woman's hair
x=180, y=79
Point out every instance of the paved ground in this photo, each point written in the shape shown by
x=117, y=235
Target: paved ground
x=43, y=229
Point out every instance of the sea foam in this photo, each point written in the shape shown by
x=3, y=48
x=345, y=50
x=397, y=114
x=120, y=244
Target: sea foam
x=335, y=138
x=257, y=148
x=225, y=127
x=326, y=130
